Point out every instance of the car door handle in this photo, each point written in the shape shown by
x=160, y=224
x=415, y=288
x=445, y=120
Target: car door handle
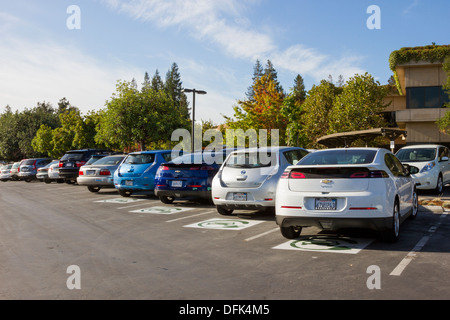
x=241, y=178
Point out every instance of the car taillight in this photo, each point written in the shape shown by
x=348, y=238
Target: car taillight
x=81, y=173
x=297, y=175
x=60, y=164
x=164, y=168
x=369, y=174
x=285, y=175
x=80, y=163
x=105, y=172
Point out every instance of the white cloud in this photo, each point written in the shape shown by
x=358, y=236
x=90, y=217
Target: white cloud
x=223, y=22
x=35, y=71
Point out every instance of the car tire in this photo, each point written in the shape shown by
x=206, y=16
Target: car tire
x=94, y=188
x=290, y=232
x=166, y=199
x=439, y=185
x=224, y=211
x=47, y=181
x=413, y=215
x=392, y=234
x=125, y=193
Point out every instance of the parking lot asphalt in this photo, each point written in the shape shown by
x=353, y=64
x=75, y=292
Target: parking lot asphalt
x=62, y=242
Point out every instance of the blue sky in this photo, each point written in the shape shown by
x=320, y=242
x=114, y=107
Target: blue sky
x=215, y=44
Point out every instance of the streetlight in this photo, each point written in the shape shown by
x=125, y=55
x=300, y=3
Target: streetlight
x=194, y=91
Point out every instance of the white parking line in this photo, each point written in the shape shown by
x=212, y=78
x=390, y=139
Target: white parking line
x=191, y=216
x=134, y=205
x=419, y=246
x=261, y=234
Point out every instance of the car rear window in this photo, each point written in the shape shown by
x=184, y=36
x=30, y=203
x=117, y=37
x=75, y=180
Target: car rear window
x=111, y=160
x=72, y=156
x=250, y=160
x=139, y=158
x=28, y=162
x=338, y=157
x=416, y=155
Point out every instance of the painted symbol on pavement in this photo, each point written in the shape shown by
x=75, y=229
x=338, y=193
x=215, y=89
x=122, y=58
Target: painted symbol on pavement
x=120, y=200
x=326, y=244
x=224, y=224
x=162, y=210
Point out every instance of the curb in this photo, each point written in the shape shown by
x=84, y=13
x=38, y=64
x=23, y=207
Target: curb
x=435, y=205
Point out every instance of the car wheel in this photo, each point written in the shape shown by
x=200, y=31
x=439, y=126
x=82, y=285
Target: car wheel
x=125, y=193
x=60, y=181
x=27, y=180
x=392, y=234
x=166, y=199
x=415, y=206
x=439, y=185
x=93, y=188
x=224, y=211
x=290, y=232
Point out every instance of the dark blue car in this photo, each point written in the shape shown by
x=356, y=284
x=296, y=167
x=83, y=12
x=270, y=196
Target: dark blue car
x=137, y=171
x=188, y=176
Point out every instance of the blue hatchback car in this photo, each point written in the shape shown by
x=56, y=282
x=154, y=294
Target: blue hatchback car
x=189, y=176
x=137, y=171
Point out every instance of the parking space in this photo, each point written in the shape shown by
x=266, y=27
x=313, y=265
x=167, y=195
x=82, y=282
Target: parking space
x=138, y=247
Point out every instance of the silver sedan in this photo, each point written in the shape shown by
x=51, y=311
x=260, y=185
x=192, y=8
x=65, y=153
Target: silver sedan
x=100, y=174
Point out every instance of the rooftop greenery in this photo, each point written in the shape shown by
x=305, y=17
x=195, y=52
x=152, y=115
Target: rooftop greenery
x=431, y=53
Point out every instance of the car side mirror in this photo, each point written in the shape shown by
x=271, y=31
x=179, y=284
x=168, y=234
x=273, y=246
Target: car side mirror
x=413, y=170
x=444, y=158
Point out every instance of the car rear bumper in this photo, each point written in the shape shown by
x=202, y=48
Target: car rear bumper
x=329, y=223
x=95, y=181
x=183, y=194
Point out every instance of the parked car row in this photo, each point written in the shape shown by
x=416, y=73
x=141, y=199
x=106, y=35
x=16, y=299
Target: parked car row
x=330, y=189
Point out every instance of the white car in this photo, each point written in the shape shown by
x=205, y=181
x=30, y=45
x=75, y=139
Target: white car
x=346, y=188
x=433, y=163
x=248, y=178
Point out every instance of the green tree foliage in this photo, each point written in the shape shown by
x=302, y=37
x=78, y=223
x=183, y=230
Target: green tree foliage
x=145, y=117
x=75, y=132
x=444, y=122
x=17, y=130
x=359, y=106
x=292, y=109
x=316, y=107
x=263, y=111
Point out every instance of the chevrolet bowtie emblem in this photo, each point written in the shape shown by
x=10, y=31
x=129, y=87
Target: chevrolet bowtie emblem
x=326, y=181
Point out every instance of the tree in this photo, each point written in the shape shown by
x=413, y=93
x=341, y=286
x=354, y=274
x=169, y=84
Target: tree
x=317, y=106
x=359, y=106
x=263, y=111
x=173, y=87
x=144, y=117
x=75, y=132
x=292, y=109
x=258, y=72
x=444, y=122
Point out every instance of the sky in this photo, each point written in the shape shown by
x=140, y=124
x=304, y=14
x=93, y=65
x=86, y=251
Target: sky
x=79, y=49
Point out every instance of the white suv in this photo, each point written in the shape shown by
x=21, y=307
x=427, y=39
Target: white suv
x=433, y=163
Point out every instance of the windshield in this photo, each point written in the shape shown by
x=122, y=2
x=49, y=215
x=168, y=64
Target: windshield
x=416, y=155
x=139, y=158
x=338, y=157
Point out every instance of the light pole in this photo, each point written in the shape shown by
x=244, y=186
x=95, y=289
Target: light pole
x=194, y=91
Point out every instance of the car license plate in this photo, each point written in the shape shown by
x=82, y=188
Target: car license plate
x=325, y=204
x=90, y=172
x=239, y=196
x=177, y=184
x=128, y=182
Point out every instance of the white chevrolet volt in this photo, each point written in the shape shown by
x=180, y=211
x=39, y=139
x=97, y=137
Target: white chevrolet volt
x=346, y=188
